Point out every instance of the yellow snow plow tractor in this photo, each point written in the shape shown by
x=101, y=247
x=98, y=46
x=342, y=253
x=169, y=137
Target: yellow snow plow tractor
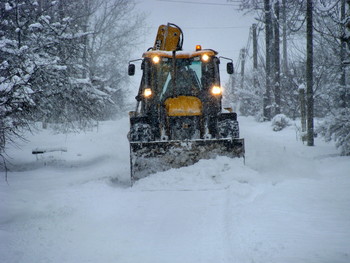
x=178, y=118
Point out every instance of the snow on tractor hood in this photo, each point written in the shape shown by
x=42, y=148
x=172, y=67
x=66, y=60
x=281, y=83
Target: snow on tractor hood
x=179, y=54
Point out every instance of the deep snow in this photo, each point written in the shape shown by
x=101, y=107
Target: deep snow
x=287, y=203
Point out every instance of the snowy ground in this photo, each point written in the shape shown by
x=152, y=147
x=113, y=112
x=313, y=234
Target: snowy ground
x=288, y=203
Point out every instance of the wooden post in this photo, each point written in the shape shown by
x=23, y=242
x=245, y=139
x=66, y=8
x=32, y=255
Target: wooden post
x=302, y=108
x=255, y=57
x=268, y=42
x=277, y=59
x=242, y=66
x=342, y=81
x=309, y=74
x=284, y=38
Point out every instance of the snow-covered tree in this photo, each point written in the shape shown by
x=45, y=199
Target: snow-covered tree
x=332, y=21
x=331, y=91
x=62, y=61
x=17, y=69
x=114, y=33
x=336, y=126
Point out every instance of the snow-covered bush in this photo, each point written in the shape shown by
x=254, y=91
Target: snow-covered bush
x=337, y=127
x=259, y=116
x=279, y=122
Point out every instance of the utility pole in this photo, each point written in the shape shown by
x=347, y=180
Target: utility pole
x=342, y=81
x=85, y=42
x=268, y=42
x=309, y=74
x=255, y=57
x=277, y=64
x=284, y=37
x=243, y=51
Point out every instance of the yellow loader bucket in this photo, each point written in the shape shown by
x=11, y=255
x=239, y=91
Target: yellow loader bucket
x=168, y=38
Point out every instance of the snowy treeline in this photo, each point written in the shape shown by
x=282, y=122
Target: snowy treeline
x=62, y=62
x=287, y=57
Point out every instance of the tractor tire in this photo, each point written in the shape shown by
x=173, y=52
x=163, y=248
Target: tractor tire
x=228, y=129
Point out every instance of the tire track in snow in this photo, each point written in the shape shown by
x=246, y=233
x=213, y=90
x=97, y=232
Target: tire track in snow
x=205, y=209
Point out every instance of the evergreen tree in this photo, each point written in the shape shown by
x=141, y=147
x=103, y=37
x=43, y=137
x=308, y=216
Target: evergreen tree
x=62, y=62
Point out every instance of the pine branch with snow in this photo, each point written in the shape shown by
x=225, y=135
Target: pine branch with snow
x=337, y=127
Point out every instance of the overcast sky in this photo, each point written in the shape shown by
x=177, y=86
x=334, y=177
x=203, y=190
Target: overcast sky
x=214, y=24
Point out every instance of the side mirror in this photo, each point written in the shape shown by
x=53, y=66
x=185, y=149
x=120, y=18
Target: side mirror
x=131, y=70
x=229, y=68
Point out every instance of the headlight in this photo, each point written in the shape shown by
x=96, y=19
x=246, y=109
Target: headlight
x=156, y=60
x=205, y=58
x=216, y=90
x=147, y=93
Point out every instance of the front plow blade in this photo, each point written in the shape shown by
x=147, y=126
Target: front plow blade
x=150, y=157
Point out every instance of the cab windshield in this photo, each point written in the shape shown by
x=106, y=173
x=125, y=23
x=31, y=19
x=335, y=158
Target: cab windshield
x=186, y=80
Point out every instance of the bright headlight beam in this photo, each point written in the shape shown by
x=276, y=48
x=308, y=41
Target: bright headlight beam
x=205, y=57
x=216, y=90
x=156, y=59
x=147, y=92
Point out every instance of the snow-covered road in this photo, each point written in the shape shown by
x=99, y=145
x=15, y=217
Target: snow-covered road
x=288, y=203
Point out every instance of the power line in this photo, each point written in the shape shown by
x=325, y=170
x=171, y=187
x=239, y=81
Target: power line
x=212, y=27
x=218, y=27
x=201, y=3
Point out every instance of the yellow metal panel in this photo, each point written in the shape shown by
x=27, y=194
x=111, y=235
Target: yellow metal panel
x=183, y=106
x=168, y=38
